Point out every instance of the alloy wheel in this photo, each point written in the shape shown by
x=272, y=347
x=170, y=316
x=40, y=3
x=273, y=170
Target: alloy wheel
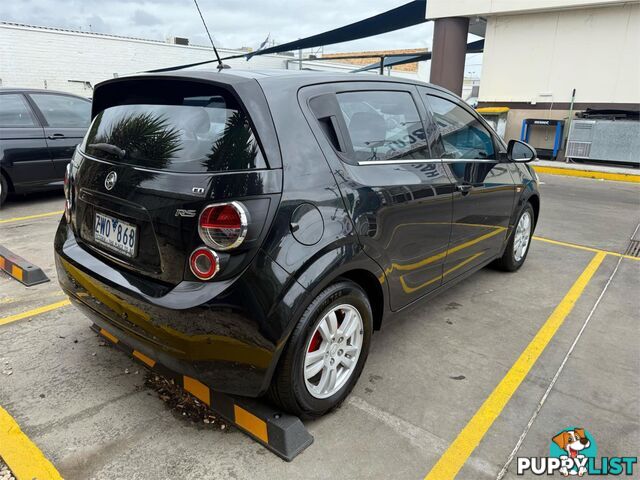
x=522, y=237
x=332, y=352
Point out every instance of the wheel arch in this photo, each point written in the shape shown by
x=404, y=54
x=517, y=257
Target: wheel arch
x=347, y=261
x=371, y=286
x=7, y=177
x=534, y=200
x=344, y=261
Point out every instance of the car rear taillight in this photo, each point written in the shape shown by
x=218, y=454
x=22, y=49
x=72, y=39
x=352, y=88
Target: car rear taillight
x=204, y=263
x=223, y=226
x=67, y=193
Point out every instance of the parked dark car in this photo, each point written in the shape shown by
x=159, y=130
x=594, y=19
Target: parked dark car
x=39, y=130
x=251, y=230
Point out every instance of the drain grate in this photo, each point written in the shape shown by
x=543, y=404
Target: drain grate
x=633, y=249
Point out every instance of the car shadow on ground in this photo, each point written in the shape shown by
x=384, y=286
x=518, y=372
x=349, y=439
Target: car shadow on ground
x=25, y=199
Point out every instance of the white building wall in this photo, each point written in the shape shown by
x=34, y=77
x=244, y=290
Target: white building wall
x=34, y=57
x=40, y=57
x=541, y=57
x=470, y=8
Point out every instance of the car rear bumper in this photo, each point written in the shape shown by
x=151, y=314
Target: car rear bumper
x=228, y=334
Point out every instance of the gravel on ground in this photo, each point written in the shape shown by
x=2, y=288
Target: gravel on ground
x=5, y=473
x=182, y=403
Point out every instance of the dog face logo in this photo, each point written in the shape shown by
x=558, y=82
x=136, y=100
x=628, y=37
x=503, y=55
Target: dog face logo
x=572, y=441
x=575, y=444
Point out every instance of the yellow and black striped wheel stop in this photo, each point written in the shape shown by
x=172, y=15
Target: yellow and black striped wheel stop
x=283, y=434
x=20, y=269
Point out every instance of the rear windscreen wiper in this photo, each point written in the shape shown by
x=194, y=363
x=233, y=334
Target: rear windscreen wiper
x=112, y=149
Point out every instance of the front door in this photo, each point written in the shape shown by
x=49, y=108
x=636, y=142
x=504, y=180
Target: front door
x=66, y=119
x=399, y=197
x=484, y=188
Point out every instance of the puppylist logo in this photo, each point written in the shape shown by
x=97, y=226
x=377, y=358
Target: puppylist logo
x=573, y=451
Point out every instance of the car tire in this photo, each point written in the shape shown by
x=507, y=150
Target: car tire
x=292, y=388
x=4, y=189
x=516, y=252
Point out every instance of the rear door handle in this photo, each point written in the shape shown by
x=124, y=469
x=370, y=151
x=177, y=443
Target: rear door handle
x=464, y=187
x=56, y=136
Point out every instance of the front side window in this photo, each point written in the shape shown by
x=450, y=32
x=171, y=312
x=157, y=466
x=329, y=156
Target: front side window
x=205, y=133
x=383, y=126
x=14, y=111
x=463, y=136
x=63, y=111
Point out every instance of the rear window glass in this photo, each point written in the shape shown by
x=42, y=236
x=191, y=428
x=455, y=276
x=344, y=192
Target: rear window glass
x=203, y=133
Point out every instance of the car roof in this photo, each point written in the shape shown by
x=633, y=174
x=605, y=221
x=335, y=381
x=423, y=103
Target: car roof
x=297, y=78
x=37, y=90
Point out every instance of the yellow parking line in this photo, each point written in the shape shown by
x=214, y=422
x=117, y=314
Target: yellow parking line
x=570, y=172
x=469, y=438
x=582, y=247
x=30, y=217
x=35, y=311
x=23, y=457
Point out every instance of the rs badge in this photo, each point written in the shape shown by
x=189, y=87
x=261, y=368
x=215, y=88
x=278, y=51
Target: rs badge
x=185, y=213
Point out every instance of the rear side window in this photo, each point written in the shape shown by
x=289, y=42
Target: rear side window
x=197, y=133
x=463, y=136
x=14, y=111
x=63, y=111
x=383, y=126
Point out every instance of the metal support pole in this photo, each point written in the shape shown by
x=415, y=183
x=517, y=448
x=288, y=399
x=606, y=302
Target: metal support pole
x=449, y=51
x=382, y=65
x=567, y=128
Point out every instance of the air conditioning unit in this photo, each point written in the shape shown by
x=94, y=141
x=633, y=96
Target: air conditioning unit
x=605, y=140
x=178, y=40
x=580, y=139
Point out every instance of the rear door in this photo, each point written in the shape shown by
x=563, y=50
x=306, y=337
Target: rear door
x=484, y=188
x=399, y=197
x=23, y=149
x=65, y=119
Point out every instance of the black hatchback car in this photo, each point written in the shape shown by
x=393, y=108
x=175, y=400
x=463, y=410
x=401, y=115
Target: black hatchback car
x=251, y=230
x=39, y=131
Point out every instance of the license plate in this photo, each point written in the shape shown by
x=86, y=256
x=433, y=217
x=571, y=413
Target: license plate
x=115, y=234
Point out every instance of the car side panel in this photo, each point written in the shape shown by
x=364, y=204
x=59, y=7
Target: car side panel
x=307, y=182
x=526, y=187
x=402, y=212
x=482, y=211
x=61, y=141
x=25, y=158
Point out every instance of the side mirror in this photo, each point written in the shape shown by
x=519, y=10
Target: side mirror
x=518, y=151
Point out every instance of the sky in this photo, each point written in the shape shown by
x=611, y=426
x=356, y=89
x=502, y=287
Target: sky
x=233, y=23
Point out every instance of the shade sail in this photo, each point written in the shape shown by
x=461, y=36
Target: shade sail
x=412, y=13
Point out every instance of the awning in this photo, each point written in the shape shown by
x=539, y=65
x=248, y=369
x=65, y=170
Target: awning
x=408, y=15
